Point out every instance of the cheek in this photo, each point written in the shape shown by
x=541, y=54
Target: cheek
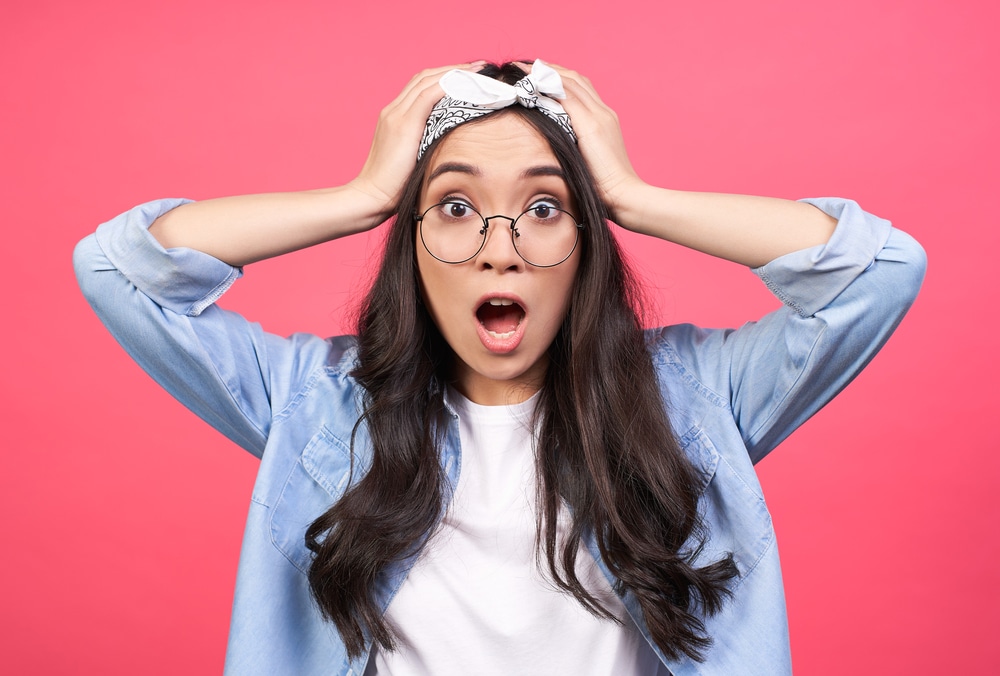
x=434, y=290
x=562, y=287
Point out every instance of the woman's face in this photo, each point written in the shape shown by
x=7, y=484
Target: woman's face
x=498, y=313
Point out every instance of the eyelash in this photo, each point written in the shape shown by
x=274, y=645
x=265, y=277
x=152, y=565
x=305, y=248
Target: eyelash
x=555, y=201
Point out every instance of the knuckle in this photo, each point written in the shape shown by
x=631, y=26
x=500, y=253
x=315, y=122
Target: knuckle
x=429, y=92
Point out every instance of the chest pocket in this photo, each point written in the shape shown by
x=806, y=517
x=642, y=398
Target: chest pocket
x=733, y=511
x=318, y=479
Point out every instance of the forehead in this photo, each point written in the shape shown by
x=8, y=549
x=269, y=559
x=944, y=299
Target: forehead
x=493, y=144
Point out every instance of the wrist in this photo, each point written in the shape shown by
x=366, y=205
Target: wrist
x=628, y=203
x=369, y=205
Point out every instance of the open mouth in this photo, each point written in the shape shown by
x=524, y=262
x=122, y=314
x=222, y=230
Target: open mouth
x=500, y=317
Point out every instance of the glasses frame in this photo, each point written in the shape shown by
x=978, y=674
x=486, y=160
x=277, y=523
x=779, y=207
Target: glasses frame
x=419, y=217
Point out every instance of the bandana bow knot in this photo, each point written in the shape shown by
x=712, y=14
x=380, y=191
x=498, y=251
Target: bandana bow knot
x=470, y=95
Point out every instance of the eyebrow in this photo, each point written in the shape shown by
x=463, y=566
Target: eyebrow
x=462, y=168
x=544, y=170
x=457, y=167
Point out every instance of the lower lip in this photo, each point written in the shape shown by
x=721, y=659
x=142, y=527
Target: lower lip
x=501, y=345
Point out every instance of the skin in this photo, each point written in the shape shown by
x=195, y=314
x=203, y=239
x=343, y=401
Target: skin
x=744, y=229
x=492, y=169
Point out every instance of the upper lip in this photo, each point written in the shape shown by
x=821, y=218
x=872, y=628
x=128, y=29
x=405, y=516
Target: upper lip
x=486, y=297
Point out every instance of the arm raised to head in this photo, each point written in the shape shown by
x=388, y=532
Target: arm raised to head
x=248, y=228
x=744, y=229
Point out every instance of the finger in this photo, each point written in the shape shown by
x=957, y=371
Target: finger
x=569, y=72
x=581, y=98
x=426, y=89
x=399, y=122
x=580, y=85
x=418, y=82
x=430, y=76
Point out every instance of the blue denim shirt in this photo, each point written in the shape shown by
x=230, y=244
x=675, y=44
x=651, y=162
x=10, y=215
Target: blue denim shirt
x=731, y=395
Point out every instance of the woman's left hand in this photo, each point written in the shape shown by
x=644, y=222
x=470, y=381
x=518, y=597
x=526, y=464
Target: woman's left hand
x=600, y=137
x=745, y=229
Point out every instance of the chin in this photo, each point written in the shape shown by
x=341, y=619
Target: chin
x=490, y=381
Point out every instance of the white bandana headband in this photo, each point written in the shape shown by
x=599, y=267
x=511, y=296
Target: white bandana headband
x=470, y=95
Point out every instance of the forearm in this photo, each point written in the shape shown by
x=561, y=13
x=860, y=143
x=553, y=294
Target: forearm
x=744, y=229
x=241, y=230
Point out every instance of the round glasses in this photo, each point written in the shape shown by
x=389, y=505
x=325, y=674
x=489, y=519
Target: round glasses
x=543, y=235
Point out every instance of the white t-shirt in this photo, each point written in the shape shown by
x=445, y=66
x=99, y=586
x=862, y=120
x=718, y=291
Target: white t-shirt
x=478, y=600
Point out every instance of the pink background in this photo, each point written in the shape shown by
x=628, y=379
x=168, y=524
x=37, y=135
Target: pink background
x=122, y=513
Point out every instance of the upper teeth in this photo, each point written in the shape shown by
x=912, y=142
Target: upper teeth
x=501, y=301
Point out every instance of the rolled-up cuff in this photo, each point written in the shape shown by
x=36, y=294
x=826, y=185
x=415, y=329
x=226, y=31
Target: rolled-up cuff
x=181, y=280
x=809, y=280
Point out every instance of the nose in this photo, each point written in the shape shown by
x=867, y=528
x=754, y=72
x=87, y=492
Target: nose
x=498, y=252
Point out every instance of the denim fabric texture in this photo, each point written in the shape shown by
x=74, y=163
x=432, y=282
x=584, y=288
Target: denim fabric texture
x=731, y=395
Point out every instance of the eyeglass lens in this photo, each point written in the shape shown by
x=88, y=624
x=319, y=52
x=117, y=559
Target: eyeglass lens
x=454, y=232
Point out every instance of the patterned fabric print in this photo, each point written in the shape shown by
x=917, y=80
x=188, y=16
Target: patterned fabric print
x=528, y=99
x=562, y=119
x=448, y=113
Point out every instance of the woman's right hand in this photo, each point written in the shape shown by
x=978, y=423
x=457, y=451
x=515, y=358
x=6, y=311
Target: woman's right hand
x=247, y=228
x=393, y=152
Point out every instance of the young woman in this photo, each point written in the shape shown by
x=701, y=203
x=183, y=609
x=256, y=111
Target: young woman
x=503, y=473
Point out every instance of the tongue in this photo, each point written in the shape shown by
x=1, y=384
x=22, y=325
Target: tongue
x=500, y=318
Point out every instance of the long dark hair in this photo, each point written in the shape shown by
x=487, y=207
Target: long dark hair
x=605, y=446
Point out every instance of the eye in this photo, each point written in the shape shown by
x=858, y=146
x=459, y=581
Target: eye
x=544, y=210
x=455, y=210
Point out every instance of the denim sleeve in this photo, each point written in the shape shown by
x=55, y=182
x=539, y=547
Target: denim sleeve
x=841, y=302
x=159, y=305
